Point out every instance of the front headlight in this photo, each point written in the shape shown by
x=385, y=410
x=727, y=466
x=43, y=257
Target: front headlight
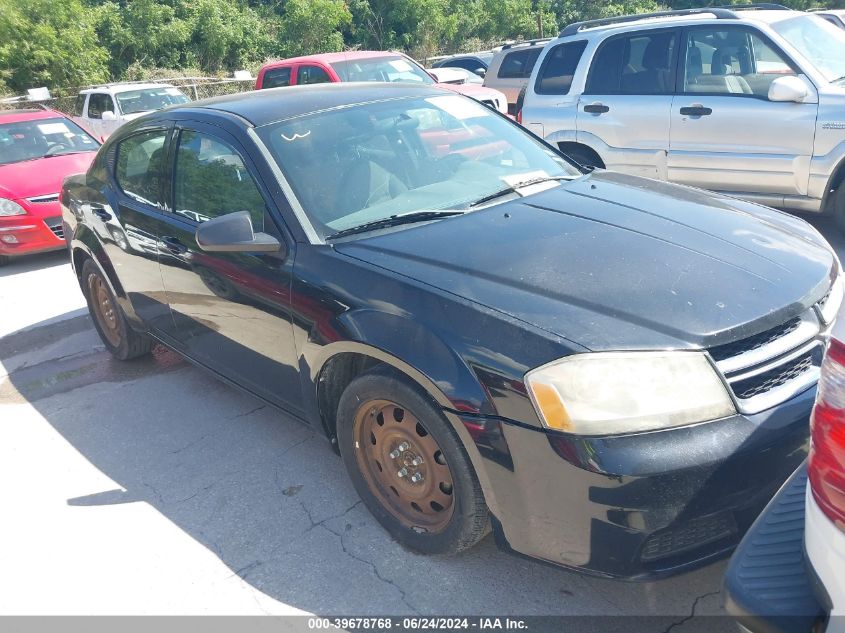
x=613, y=393
x=10, y=207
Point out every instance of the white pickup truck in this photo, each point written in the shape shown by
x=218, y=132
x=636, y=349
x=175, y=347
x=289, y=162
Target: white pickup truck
x=104, y=109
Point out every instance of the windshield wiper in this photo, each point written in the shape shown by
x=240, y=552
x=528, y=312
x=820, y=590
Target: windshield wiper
x=515, y=188
x=396, y=220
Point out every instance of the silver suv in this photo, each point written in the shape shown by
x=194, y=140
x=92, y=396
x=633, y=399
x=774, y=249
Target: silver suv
x=748, y=100
x=511, y=67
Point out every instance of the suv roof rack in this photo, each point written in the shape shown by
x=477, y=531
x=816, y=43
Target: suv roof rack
x=544, y=40
x=721, y=13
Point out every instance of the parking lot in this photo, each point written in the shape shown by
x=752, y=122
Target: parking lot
x=149, y=487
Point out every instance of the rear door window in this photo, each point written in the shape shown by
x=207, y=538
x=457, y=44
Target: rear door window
x=559, y=66
x=140, y=164
x=638, y=64
x=519, y=63
x=276, y=77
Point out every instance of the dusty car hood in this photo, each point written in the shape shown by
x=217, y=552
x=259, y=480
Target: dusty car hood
x=618, y=262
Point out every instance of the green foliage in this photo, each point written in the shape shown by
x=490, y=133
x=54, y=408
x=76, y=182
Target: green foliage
x=68, y=43
x=49, y=43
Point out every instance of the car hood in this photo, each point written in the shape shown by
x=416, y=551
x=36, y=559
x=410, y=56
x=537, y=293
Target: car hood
x=610, y=261
x=40, y=177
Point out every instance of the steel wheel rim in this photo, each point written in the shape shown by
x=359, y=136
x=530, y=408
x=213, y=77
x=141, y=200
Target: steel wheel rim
x=403, y=466
x=104, y=310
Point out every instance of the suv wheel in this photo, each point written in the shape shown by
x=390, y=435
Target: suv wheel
x=409, y=466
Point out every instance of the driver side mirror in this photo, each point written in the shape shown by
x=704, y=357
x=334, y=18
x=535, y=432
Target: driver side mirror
x=480, y=72
x=233, y=233
x=108, y=115
x=788, y=88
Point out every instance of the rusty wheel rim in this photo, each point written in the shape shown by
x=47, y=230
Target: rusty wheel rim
x=104, y=310
x=403, y=466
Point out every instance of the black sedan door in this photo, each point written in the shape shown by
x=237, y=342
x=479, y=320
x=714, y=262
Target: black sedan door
x=231, y=311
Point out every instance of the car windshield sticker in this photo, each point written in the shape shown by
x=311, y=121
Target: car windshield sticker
x=401, y=65
x=459, y=107
x=53, y=128
x=296, y=136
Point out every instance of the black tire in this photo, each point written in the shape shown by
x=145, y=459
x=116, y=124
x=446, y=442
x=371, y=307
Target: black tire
x=469, y=518
x=120, y=340
x=838, y=208
x=583, y=157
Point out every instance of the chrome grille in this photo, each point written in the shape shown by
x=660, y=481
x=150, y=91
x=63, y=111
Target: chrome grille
x=770, y=367
x=764, y=382
x=50, y=197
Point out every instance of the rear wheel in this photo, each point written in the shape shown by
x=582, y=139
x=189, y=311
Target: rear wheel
x=120, y=339
x=409, y=466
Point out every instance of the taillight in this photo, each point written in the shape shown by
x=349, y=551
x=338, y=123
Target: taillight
x=826, y=468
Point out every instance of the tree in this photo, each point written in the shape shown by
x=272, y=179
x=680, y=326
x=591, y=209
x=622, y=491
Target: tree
x=49, y=43
x=312, y=26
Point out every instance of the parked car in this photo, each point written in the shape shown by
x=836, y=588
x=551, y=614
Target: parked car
x=450, y=75
x=744, y=101
x=105, y=108
x=787, y=574
x=834, y=16
x=476, y=63
x=38, y=148
x=364, y=66
x=511, y=67
x=614, y=374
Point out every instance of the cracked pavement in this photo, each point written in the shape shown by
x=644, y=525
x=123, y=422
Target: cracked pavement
x=151, y=488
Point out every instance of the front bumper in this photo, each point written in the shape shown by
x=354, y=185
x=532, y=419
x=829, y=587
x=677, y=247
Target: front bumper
x=38, y=231
x=640, y=506
x=769, y=585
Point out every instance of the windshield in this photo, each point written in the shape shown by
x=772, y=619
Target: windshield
x=28, y=140
x=148, y=99
x=387, y=68
x=819, y=42
x=355, y=165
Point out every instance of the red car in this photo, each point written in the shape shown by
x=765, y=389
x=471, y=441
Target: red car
x=38, y=149
x=365, y=66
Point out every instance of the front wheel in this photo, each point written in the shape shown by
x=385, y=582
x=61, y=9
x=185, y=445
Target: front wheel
x=409, y=467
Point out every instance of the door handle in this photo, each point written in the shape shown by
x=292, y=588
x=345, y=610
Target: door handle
x=596, y=108
x=696, y=110
x=174, y=245
x=100, y=212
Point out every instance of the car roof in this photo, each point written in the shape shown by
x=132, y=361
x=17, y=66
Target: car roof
x=118, y=88
x=765, y=16
x=328, y=58
x=28, y=114
x=260, y=107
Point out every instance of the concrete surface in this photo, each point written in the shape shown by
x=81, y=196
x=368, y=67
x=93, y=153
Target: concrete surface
x=151, y=488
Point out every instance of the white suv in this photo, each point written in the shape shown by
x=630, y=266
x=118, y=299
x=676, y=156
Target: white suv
x=748, y=100
x=104, y=109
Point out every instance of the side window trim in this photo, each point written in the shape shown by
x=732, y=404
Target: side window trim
x=673, y=69
x=748, y=30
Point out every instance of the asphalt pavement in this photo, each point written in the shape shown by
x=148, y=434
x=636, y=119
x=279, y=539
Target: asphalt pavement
x=149, y=487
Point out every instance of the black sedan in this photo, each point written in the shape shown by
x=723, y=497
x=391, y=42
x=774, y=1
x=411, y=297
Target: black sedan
x=612, y=374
